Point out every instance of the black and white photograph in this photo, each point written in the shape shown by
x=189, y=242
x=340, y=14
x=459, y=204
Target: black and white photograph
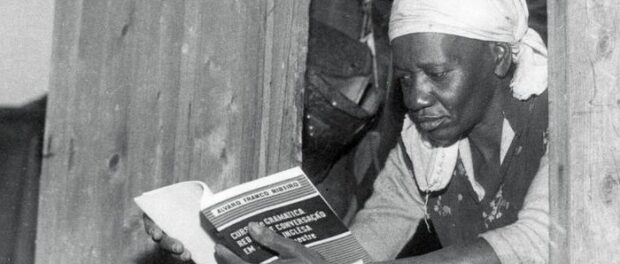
x=309, y=132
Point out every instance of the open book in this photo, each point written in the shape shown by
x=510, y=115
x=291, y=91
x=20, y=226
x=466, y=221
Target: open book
x=286, y=202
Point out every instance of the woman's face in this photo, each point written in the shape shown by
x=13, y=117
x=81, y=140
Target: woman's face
x=447, y=83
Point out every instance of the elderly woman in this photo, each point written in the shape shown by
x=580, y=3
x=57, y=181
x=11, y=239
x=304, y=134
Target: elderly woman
x=471, y=156
x=473, y=78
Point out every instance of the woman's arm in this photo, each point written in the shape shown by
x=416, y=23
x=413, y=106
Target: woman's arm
x=525, y=241
x=391, y=215
x=479, y=251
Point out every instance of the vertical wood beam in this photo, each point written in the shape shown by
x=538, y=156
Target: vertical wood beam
x=146, y=93
x=585, y=130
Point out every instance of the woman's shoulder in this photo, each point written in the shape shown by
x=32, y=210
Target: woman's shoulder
x=532, y=113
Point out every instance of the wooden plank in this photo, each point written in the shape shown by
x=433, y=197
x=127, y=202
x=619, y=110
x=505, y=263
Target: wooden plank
x=289, y=21
x=585, y=131
x=147, y=93
x=558, y=124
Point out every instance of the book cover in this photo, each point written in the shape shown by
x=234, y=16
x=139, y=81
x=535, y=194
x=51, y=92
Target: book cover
x=286, y=202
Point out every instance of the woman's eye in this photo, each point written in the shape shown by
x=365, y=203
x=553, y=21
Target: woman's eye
x=437, y=75
x=406, y=80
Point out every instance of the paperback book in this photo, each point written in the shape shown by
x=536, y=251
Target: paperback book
x=286, y=202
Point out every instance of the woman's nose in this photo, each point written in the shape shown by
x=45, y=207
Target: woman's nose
x=419, y=96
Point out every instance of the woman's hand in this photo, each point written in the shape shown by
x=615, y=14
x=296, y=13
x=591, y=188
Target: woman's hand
x=165, y=242
x=289, y=251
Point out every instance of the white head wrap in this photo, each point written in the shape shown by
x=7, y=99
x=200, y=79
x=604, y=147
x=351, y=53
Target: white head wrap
x=487, y=20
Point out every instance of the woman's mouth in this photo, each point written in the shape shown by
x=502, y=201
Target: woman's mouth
x=429, y=124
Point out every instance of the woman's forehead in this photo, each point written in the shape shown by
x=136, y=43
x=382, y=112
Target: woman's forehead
x=434, y=48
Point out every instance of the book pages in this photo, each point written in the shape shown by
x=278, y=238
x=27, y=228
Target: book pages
x=176, y=210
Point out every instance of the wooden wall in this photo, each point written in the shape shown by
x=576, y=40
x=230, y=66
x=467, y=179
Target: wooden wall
x=585, y=131
x=145, y=93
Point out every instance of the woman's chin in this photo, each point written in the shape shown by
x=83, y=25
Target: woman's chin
x=439, y=140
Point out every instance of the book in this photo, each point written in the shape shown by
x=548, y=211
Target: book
x=286, y=202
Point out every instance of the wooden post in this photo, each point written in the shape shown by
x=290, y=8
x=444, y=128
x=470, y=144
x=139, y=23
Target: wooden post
x=145, y=93
x=585, y=131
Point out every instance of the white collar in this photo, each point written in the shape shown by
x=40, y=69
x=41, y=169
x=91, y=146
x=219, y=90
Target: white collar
x=433, y=166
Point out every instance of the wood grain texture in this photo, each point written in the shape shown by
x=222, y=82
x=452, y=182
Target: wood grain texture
x=585, y=131
x=146, y=93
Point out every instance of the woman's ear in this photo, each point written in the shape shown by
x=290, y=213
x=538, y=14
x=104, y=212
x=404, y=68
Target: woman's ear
x=503, y=58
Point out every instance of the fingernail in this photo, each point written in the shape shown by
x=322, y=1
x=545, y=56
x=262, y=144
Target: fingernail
x=177, y=248
x=218, y=249
x=186, y=256
x=156, y=234
x=255, y=227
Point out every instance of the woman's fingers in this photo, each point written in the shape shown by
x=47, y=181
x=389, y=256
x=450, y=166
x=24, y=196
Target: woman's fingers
x=167, y=243
x=170, y=244
x=285, y=247
x=289, y=251
x=185, y=256
x=174, y=247
x=287, y=261
x=152, y=229
x=223, y=255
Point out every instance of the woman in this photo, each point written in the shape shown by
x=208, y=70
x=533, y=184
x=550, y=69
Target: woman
x=471, y=157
